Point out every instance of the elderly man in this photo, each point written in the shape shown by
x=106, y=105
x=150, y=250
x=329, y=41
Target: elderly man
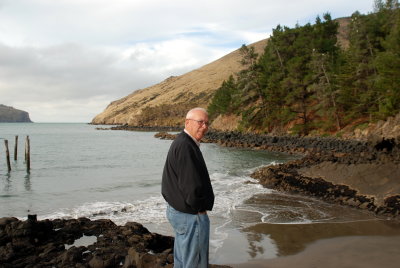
x=186, y=187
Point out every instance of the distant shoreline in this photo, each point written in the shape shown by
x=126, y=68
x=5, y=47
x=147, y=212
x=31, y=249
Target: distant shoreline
x=140, y=128
x=9, y=114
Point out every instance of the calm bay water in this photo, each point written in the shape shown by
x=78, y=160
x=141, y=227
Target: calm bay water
x=78, y=171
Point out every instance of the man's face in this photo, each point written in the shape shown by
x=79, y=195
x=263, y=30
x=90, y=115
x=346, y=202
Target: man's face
x=197, y=125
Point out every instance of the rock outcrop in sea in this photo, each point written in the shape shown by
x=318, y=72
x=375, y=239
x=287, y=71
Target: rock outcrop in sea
x=11, y=115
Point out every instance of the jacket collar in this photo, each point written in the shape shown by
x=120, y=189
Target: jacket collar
x=197, y=143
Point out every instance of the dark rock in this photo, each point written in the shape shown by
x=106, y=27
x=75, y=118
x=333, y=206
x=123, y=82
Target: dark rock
x=165, y=136
x=284, y=177
x=146, y=128
x=96, y=262
x=7, y=252
x=72, y=255
x=385, y=144
x=33, y=243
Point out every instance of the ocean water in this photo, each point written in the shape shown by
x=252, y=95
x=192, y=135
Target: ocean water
x=78, y=171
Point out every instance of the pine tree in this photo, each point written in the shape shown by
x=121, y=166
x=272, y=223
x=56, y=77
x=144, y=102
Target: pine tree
x=324, y=65
x=223, y=100
x=388, y=63
x=304, y=77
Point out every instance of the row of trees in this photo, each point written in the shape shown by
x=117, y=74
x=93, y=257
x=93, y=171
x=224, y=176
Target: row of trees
x=307, y=79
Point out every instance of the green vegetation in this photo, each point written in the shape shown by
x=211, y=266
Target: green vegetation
x=306, y=80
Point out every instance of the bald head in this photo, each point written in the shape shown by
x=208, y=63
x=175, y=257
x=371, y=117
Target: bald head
x=193, y=112
x=196, y=123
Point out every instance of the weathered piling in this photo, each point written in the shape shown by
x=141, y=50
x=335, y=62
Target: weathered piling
x=26, y=148
x=16, y=148
x=27, y=154
x=7, y=155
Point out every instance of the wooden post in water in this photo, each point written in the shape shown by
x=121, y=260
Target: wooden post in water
x=26, y=148
x=7, y=155
x=16, y=148
x=28, y=154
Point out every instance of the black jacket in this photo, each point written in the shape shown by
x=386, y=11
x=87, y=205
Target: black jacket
x=186, y=185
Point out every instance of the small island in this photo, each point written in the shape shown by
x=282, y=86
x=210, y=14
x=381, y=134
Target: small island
x=9, y=114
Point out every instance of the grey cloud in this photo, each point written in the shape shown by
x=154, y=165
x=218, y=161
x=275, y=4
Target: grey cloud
x=69, y=75
x=78, y=55
x=66, y=71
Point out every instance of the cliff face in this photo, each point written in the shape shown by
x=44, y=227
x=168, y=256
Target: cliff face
x=11, y=115
x=166, y=103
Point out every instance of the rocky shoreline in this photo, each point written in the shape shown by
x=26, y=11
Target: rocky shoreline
x=318, y=172
x=293, y=144
x=140, y=128
x=289, y=177
x=363, y=190
x=299, y=176
x=54, y=243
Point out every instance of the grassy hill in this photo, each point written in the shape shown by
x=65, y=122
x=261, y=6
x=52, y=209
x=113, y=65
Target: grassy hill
x=336, y=77
x=166, y=103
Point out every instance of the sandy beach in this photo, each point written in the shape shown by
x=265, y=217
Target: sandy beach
x=353, y=251
x=353, y=244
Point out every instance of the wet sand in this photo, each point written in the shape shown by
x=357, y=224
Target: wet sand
x=378, y=180
x=352, y=252
x=364, y=243
x=330, y=235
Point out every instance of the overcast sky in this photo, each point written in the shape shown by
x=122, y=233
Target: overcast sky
x=66, y=60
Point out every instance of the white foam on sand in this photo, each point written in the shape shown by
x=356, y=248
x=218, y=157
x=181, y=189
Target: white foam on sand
x=230, y=191
x=150, y=210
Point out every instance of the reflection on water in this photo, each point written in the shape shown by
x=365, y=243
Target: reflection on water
x=283, y=208
x=83, y=241
x=293, y=238
x=7, y=183
x=255, y=245
x=27, y=184
x=277, y=224
x=8, y=178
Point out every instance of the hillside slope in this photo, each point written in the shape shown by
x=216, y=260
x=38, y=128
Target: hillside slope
x=165, y=103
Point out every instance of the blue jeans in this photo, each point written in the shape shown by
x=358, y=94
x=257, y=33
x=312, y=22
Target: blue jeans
x=192, y=235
